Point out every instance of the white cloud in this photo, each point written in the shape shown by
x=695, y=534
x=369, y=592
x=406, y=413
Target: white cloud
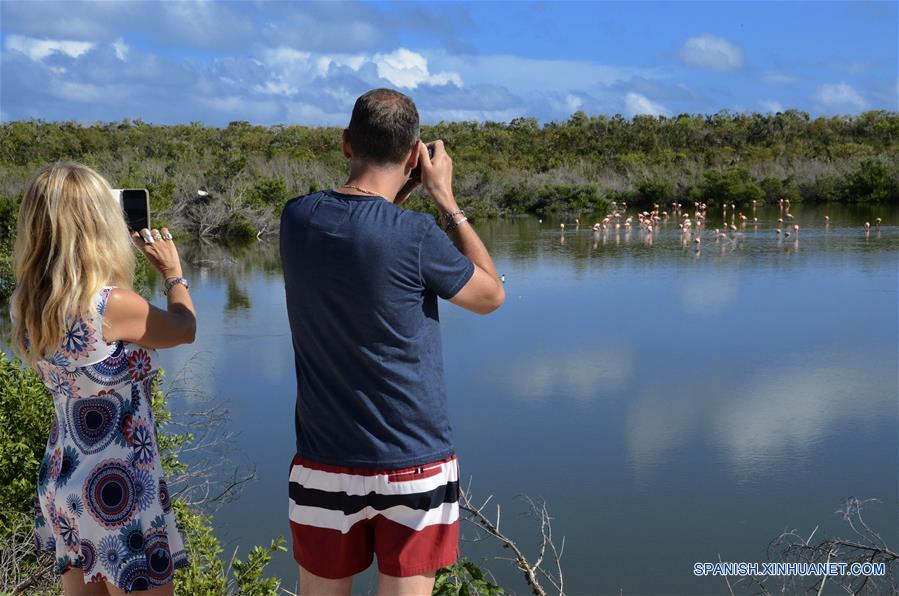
x=284, y=55
x=275, y=88
x=405, y=68
x=353, y=61
x=573, y=102
x=635, y=104
x=523, y=75
x=710, y=51
x=771, y=106
x=38, y=49
x=292, y=69
x=840, y=95
x=789, y=410
x=121, y=50
x=581, y=374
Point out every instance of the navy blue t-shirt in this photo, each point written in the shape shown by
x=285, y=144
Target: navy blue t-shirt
x=362, y=278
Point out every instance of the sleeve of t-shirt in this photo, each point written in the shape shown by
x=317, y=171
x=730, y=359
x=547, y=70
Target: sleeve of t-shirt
x=444, y=269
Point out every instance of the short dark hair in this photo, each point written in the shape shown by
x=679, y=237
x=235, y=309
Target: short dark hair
x=384, y=126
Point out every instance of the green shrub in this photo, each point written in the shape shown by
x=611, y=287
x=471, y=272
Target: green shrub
x=25, y=412
x=734, y=185
x=238, y=229
x=872, y=182
x=464, y=578
x=655, y=191
x=775, y=189
x=823, y=188
x=553, y=198
x=9, y=212
x=267, y=191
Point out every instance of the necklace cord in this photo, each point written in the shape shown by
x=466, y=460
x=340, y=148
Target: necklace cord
x=360, y=189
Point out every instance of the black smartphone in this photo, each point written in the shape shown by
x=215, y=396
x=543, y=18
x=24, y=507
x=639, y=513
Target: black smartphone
x=136, y=206
x=415, y=174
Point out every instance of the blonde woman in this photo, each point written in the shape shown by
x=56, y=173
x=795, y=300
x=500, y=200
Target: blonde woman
x=102, y=505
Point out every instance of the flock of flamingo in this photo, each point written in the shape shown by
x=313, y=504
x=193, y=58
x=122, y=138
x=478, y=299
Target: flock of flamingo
x=647, y=221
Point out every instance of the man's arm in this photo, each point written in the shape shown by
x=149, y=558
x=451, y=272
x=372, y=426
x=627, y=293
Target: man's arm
x=484, y=292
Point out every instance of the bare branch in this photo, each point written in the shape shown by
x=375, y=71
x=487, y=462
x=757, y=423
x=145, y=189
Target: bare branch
x=533, y=571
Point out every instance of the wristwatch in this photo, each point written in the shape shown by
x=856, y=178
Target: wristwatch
x=174, y=281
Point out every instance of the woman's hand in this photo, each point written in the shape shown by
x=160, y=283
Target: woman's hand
x=157, y=245
x=129, y=317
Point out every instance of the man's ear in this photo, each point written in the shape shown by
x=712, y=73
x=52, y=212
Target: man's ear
x=412, y=160
x=347, y=150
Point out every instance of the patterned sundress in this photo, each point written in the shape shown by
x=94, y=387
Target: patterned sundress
x=102, y=503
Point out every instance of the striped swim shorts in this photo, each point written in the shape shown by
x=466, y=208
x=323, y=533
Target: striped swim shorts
x=340, y=517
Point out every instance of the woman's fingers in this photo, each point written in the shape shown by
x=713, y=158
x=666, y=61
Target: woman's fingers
x=166, y=235
x=146, y=236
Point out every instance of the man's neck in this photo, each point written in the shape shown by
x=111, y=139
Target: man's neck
x=381, y=181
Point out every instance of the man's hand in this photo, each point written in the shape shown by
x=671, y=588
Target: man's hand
x=437, y=176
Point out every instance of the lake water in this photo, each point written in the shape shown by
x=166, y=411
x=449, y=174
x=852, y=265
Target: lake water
x=671, y=405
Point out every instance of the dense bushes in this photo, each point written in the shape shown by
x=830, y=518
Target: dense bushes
x=25, y=412
x=552, y=198
x=518, y=167
x=733, y=185
x=9, y=210
x=872, y=182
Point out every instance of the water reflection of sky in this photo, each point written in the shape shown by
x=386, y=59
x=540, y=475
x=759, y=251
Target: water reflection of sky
x=665, y=402
x=647, y=392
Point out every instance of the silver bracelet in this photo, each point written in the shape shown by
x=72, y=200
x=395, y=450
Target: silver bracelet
x=454, y=224
x=174, y=281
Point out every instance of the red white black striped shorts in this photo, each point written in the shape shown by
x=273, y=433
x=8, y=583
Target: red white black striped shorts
x=341, y=516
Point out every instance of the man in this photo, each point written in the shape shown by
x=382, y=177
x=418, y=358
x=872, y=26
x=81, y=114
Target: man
x=375, y=471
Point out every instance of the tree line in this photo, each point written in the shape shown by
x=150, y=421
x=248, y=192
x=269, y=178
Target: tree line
x=246, y=171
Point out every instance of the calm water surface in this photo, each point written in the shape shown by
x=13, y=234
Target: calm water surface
x=670, y=404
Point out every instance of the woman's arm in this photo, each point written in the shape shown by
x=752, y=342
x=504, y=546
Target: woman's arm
x=129, y=317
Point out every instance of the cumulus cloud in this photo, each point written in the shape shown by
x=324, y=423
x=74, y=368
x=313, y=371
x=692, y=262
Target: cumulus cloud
x=711, y=51
x=274, y=62
x=405, y=68
x=840, y=96
x=636, y=104
x=38, y=49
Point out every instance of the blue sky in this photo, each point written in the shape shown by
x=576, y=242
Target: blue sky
x=306, y=62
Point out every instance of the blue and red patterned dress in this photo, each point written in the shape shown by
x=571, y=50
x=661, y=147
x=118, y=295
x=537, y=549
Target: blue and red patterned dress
x=102, y=503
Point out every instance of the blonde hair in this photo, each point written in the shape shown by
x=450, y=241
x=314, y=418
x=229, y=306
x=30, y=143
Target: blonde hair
x=71, y=240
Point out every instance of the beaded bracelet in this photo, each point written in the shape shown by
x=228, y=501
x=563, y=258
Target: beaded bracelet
x=448, y=217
